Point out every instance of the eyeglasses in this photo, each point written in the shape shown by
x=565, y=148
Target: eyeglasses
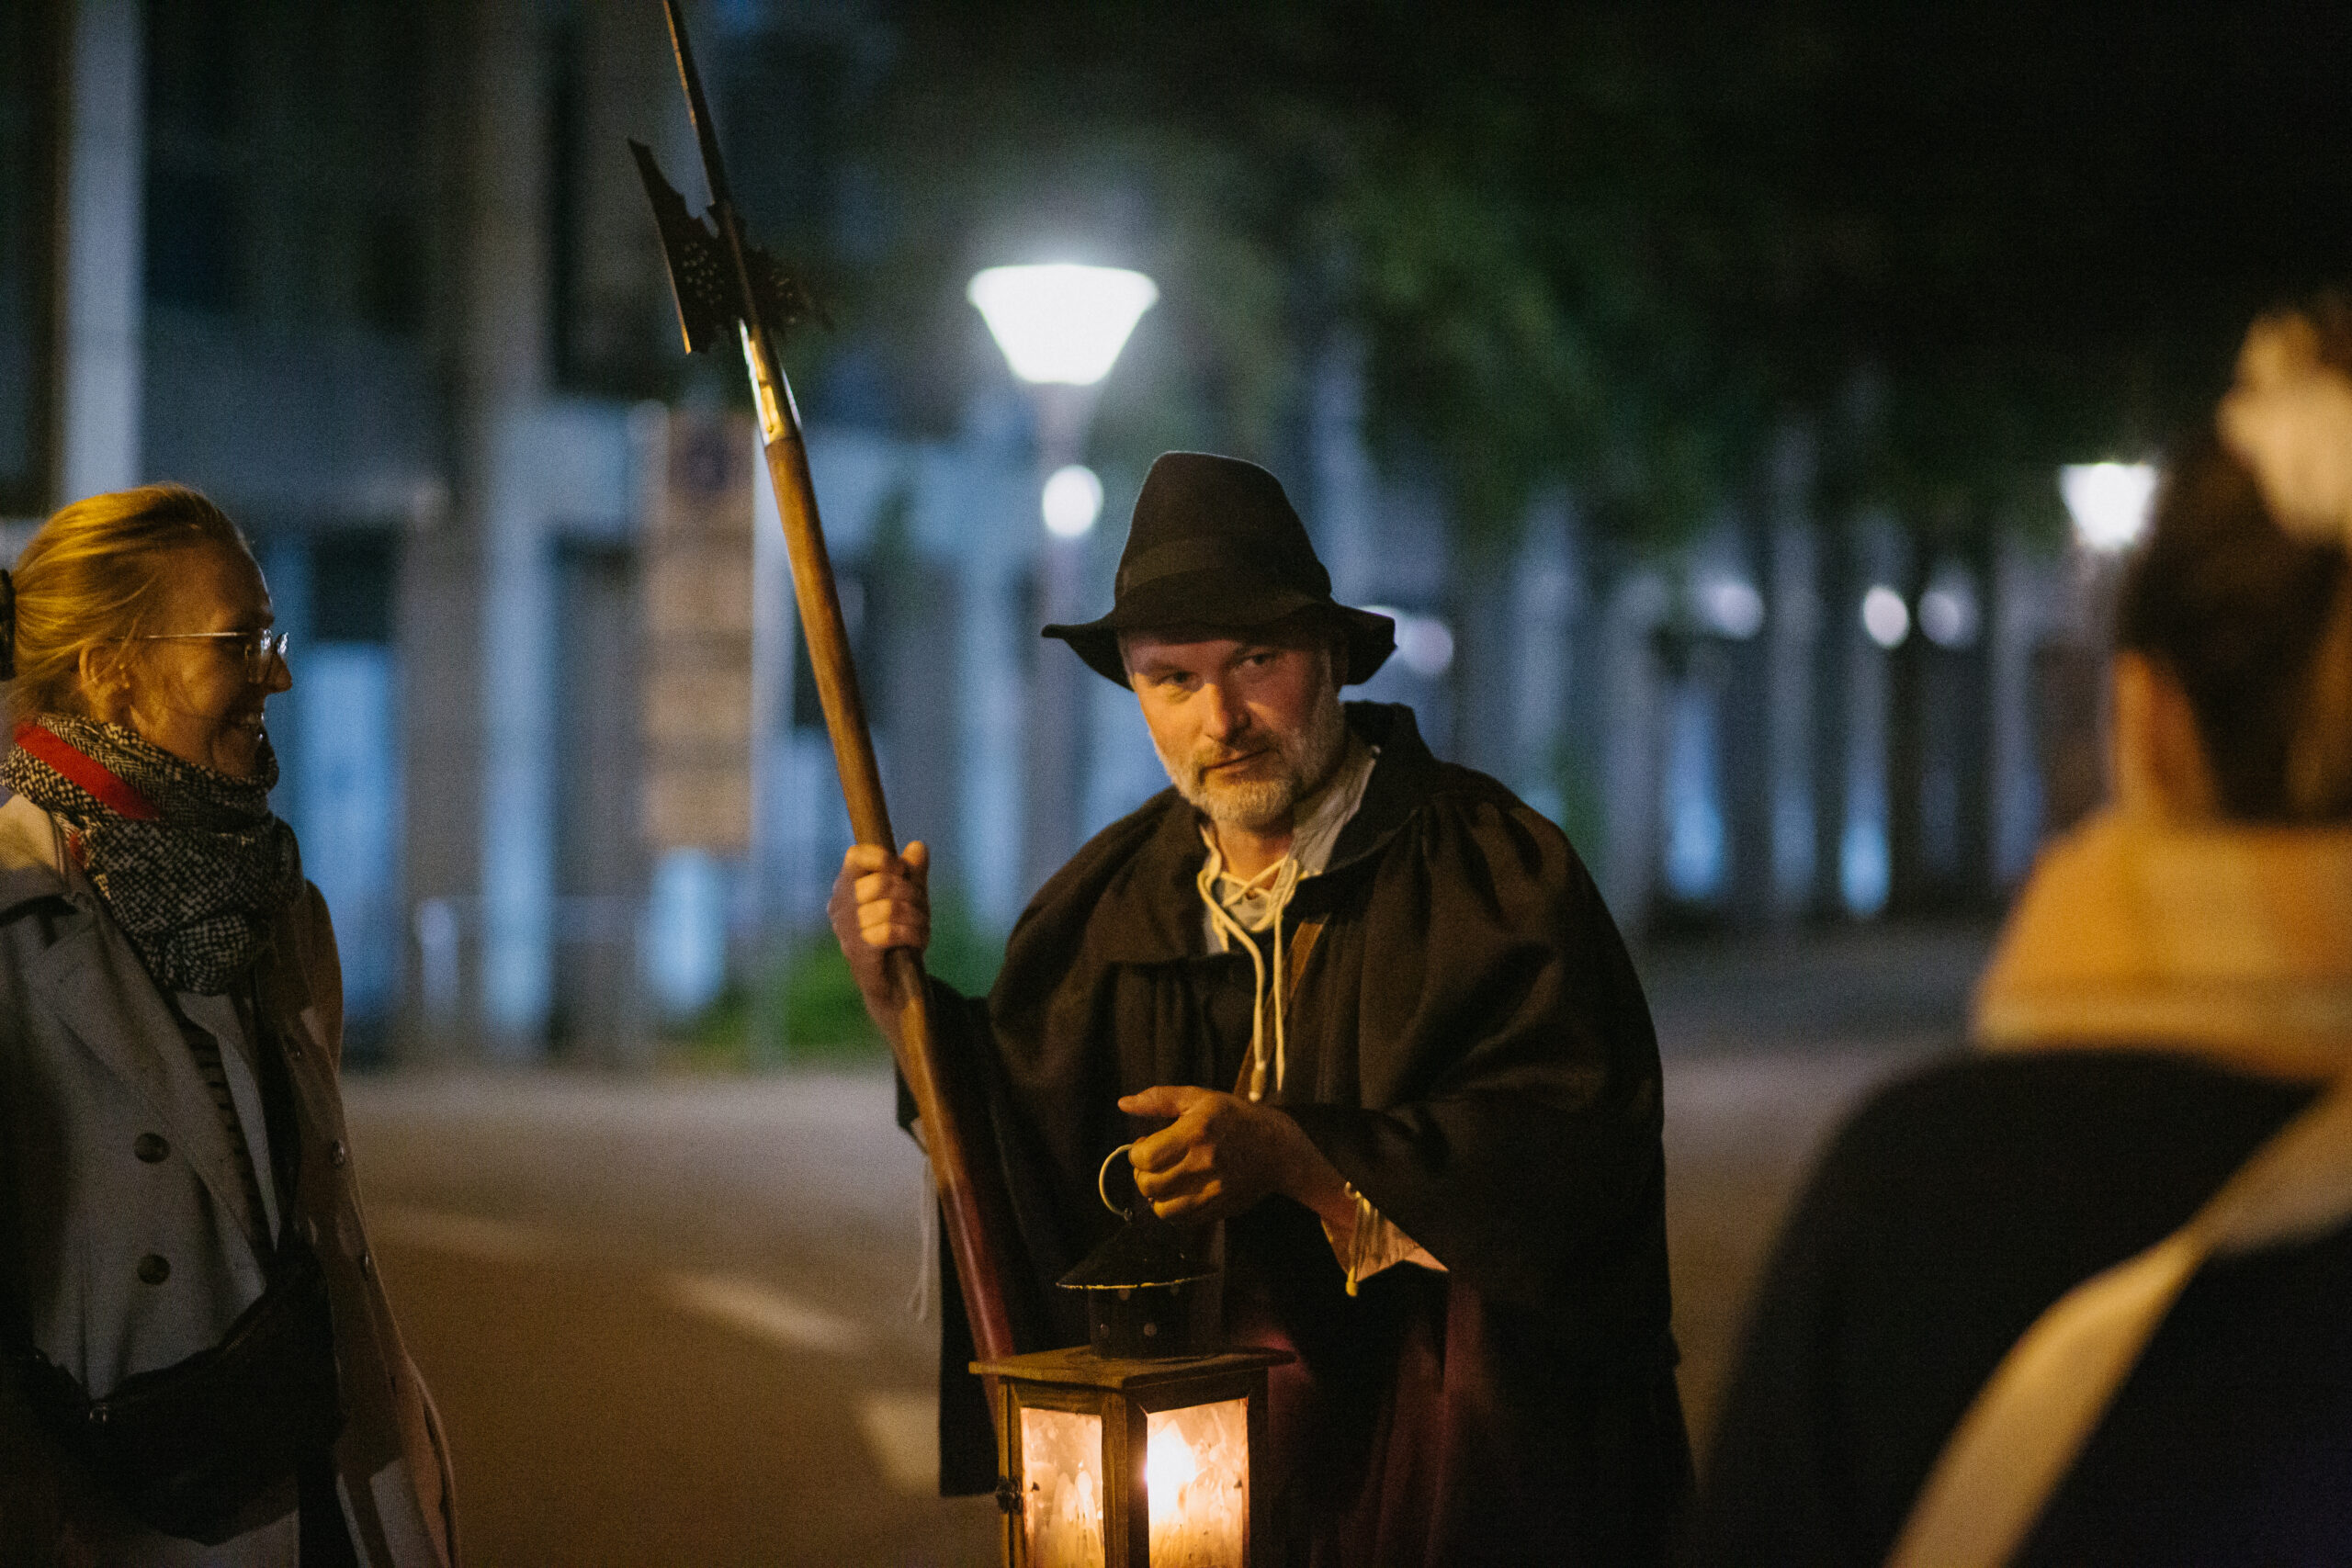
x=257, y=649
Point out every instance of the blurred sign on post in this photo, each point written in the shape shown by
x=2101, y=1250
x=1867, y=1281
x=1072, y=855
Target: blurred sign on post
x=697, y=620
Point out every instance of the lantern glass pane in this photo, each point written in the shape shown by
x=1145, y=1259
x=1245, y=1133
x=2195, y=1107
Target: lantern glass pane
x=1197, y=1470
x=1061, y=1487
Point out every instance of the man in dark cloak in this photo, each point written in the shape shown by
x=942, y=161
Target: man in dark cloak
x=1366, y=1009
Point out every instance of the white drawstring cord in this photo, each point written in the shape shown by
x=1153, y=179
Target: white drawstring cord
x=1284, y=874
x=1316, y=830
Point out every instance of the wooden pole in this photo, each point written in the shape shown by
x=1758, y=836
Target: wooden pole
x=975, y=1209
x=972, y=1200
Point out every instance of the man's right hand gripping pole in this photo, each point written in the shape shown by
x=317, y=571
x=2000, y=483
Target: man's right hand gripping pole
x=881, y=901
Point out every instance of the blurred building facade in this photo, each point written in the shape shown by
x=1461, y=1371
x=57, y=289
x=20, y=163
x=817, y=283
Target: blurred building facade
x=377, y=275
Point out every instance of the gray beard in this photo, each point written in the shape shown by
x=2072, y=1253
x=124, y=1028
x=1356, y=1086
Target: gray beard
x=1307, y=754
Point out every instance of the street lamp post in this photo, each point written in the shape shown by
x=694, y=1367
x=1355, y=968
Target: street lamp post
x=1061, y=327
x=2109, y=504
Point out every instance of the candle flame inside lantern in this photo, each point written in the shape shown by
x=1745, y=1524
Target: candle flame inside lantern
x=1168, y=1467
x=1196, y=1468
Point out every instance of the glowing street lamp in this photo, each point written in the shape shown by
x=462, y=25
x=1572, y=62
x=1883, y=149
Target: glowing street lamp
x=2108, y=502
x=1061, y=322
x=1072, y=501
x=1061, y=327
x=1885, y=616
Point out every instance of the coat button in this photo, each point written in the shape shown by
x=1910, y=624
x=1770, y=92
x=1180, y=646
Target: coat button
x=337, y=1155
x=366, y=1263
x=150, y=1147
x=154, y=1268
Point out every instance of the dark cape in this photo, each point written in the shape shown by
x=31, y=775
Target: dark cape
x=1946, y=1216
x=1468, y=1045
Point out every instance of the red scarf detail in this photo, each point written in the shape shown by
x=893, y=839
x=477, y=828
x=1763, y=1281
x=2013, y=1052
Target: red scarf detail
x=92, y=776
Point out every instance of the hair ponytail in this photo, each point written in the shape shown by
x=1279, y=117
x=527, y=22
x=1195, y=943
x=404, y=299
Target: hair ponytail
x=2243, y=589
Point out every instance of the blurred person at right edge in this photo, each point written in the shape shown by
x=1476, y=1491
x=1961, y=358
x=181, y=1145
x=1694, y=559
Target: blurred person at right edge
x=2081, y=1296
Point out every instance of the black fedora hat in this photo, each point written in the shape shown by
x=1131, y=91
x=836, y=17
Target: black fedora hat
x=1216, y=545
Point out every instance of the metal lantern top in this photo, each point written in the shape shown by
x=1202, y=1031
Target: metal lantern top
x=1150, y=1288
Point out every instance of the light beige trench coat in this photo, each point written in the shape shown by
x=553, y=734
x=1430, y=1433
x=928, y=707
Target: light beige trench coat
x=91, y=1060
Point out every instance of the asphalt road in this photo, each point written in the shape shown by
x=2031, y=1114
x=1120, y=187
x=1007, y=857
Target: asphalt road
x=668, y=1321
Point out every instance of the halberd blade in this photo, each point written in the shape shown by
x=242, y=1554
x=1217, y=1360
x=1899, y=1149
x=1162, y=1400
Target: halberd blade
x=784, y=303
x=701, y=277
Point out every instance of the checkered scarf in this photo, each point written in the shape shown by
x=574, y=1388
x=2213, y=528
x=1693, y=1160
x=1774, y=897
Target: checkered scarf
x=190, y=860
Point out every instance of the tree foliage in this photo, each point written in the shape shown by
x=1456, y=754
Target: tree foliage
x=1617, y=246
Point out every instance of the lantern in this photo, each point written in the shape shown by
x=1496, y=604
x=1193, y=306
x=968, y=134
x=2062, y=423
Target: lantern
x=1119, y=1461
x=1139, y=1447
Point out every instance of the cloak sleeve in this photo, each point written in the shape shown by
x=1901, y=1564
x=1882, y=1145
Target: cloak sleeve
x=1374, y=1244
x=1508, y=1114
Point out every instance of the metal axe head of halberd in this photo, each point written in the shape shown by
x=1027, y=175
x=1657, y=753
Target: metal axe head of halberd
x=701, y=275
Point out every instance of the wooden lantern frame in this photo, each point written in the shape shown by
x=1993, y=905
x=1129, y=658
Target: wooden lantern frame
x=1124, y=1394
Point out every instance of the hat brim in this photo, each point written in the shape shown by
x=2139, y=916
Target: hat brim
x=1212, y=600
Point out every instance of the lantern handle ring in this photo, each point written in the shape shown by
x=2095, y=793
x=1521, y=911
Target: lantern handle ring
x=1103, y=1179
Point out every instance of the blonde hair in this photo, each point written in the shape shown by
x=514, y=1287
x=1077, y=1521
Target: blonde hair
x=92, y=576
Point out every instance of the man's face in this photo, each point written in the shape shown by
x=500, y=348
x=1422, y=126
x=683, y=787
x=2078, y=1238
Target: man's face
x=1246, y=725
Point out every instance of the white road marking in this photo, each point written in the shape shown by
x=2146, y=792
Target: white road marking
x=767, y=1312
x=902, y=1433
x=467, y=1235
x=747, y=1305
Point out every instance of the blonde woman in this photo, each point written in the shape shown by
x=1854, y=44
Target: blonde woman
x=2081, y=1295
x=197, y=1363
